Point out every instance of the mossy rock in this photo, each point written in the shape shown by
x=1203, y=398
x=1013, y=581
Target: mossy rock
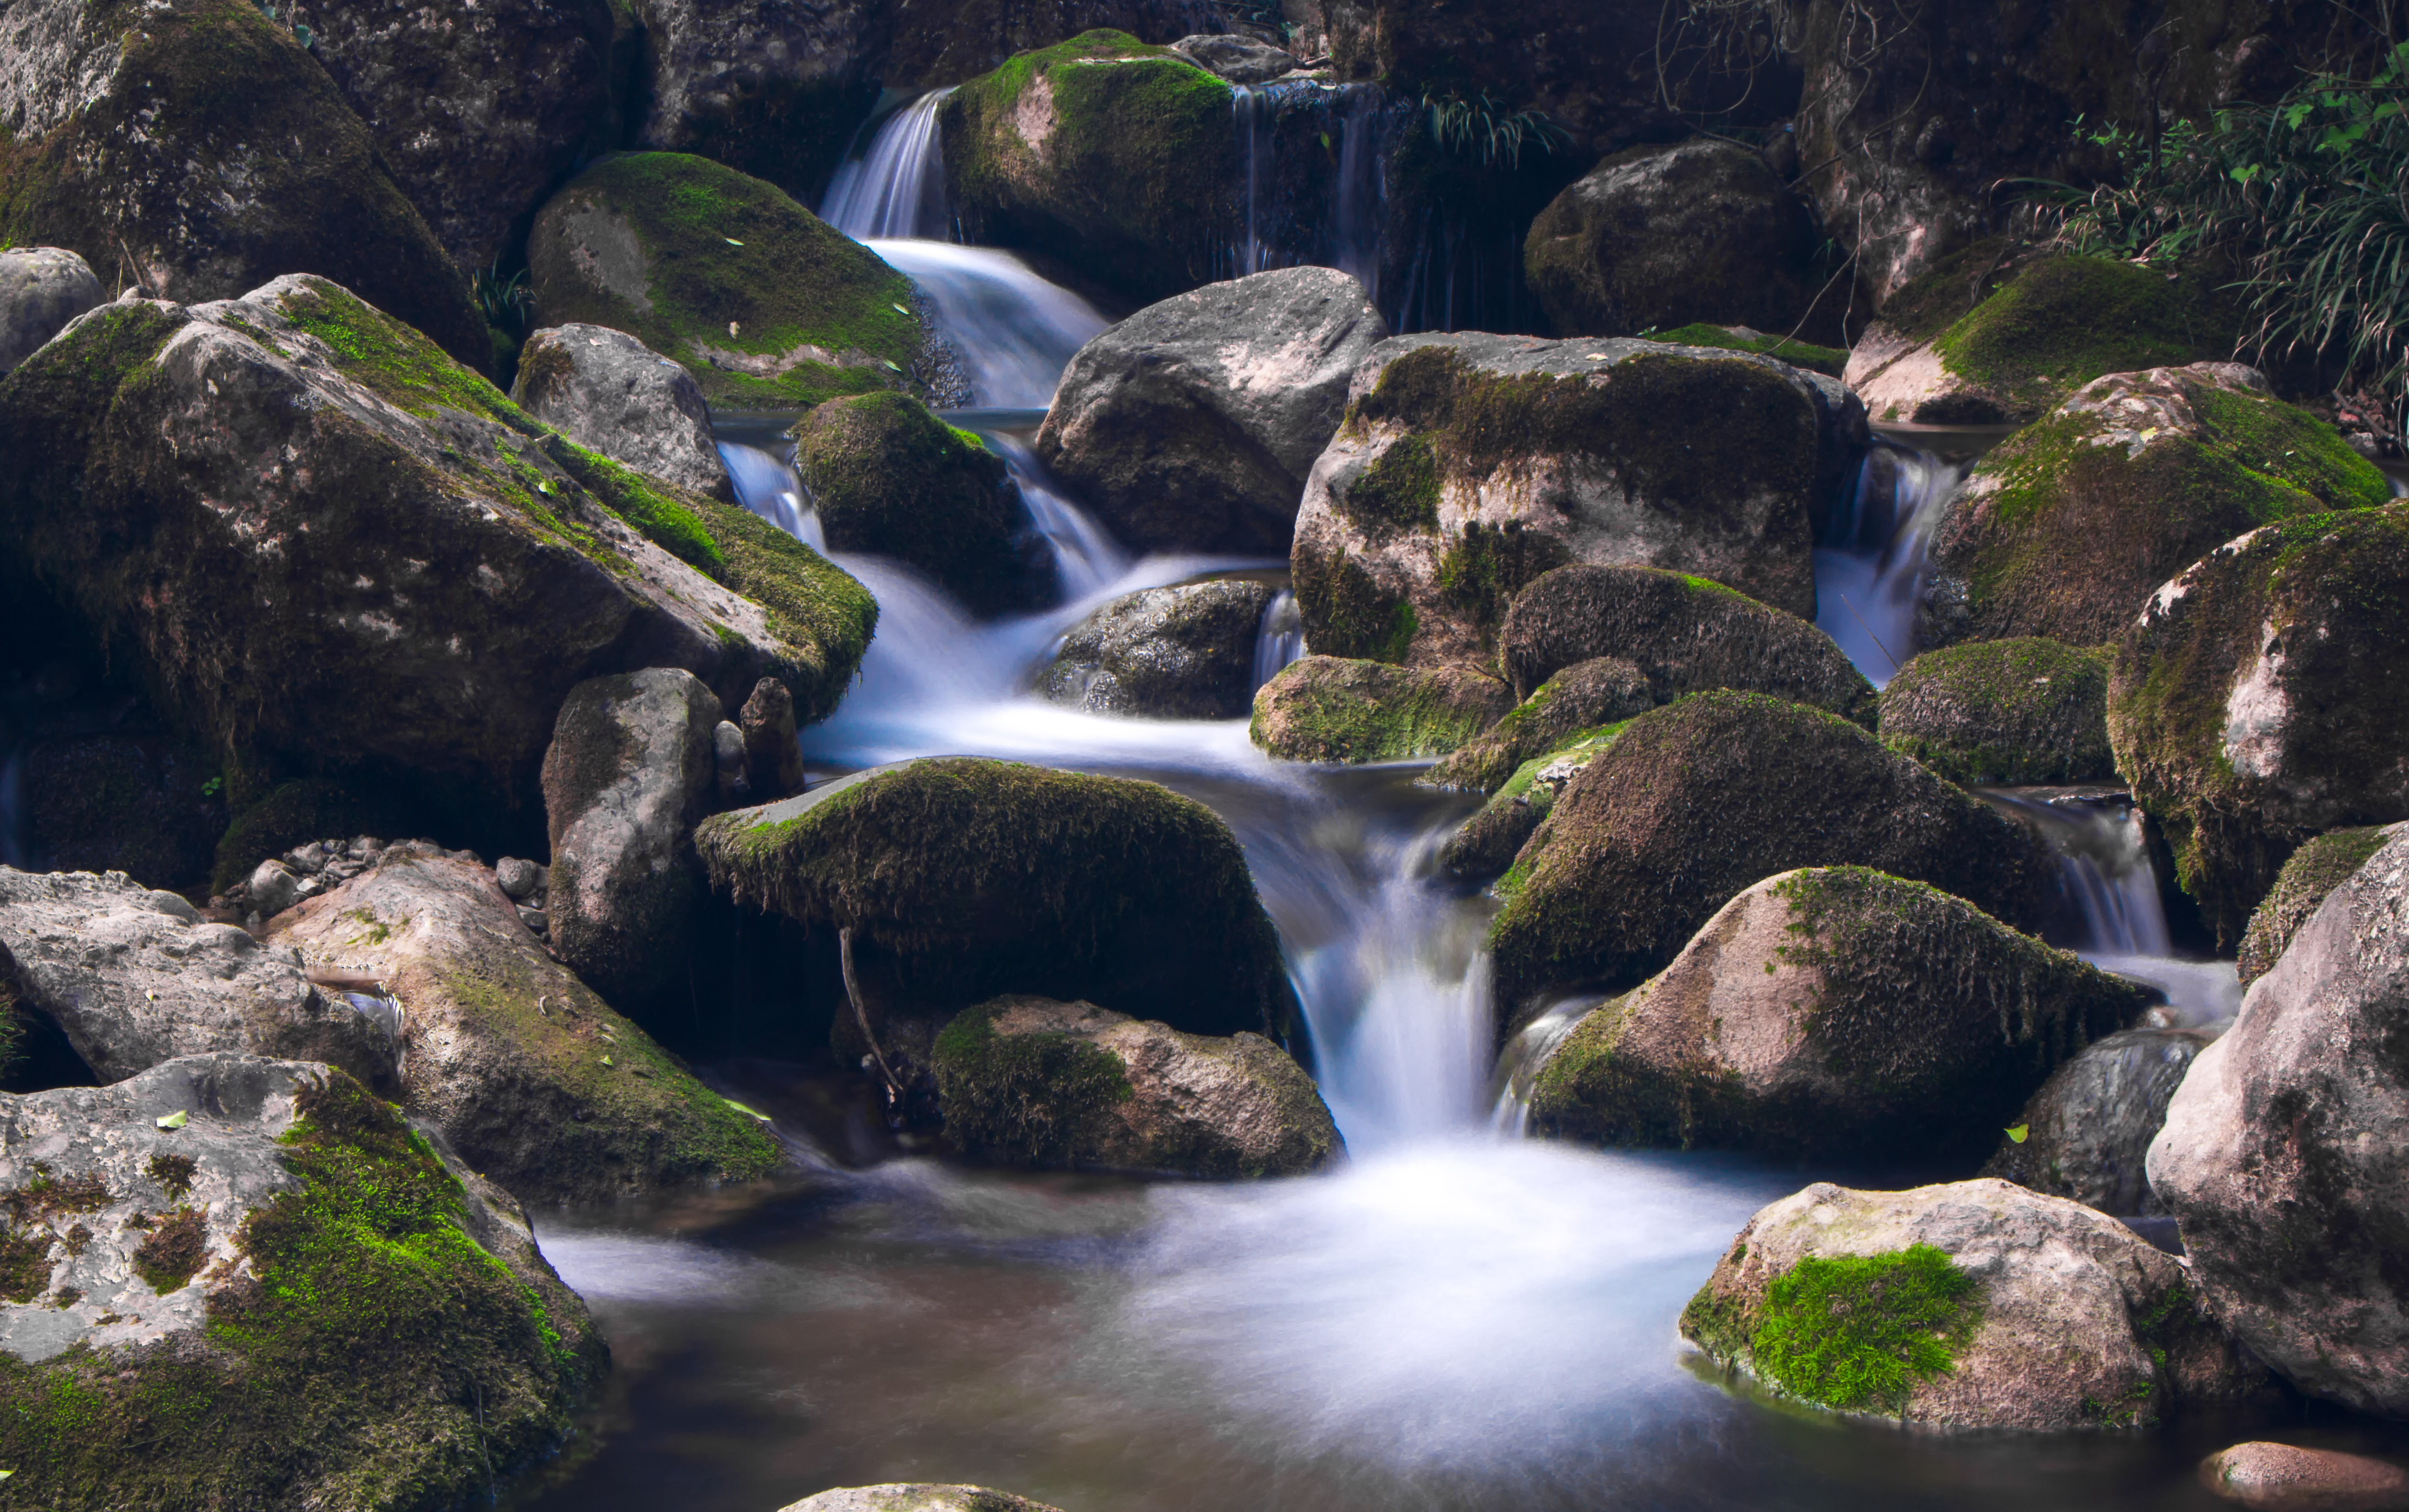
x=2316, y=869
x=1833, y=1010
x=2263, y=699
x=1490, y=838
x=1583, y=697
x=196, y=149
x=1698, y=800
x=1829, y=360
x=2066, y=528
x=2021, y=711
x=1116, y=156
x=767, y=305
x=962, y=879
x=1332, y=708
x=891, y=479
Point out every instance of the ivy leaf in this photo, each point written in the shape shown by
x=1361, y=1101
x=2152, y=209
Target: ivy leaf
x=177, y=1120
x=2016, y=1135
x=740, y=1107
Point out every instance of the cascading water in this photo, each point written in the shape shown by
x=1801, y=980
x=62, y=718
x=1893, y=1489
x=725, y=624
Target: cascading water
x=1871, y=570
x=898, y=187
x=1280, y=639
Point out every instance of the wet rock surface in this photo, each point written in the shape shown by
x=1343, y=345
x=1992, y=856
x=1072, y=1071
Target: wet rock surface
x=916, y=1497
x=1333, y=708
x=2286, y=1478
x=1183, y=652
x=1239, y=59
x=41, y=289
x=605, y=390
x=2022, y=711
x=2316, y=869
x=2087, y=1131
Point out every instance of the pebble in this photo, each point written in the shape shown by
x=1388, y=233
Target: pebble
x=519, y=878
x=2285, y=1478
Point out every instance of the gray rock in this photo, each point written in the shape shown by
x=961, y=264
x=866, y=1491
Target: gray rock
x=273, y=887
x=1192, y=425
x=740, y=76
x=1071, y=1085
x=1184, y=653
x=628, y=773
x=2285, y=1478
x=518, y=877
x=913, y=1498
x=1241, y=60
x=728, y=762
x=607, y=390
x=41, y=289
x=2087, y=1131
x=773, y=763
x=134, y=978
x=2313, y=871
x=536, y=919
x=2063, y=1319
x=2284, y=1157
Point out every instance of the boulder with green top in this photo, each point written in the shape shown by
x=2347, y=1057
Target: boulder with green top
x=2085, y=1136
x=1469, y=465
x=2066, y=528
x=2263, y=698
x=445, y=566
x=2021, y=711
x=241, y=1282
x=2316, y=869
x=1180, y=652
x=1695, y=802
x=1580, y=698
x=1829, y=360
x=1831, y=1010
x=203, y=151
x=2042, y=328
x=767, y=305
x=537, y=1081
x=1333, y=708
x=1113, y=154
x=891, y=479
x=1966, y=1307
x=1069, y=1086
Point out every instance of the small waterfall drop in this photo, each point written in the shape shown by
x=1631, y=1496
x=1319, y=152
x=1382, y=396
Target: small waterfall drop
x=898, y=187
x=1524, y=1056
x=1280, y=639
x=1871, y=572
x=1253, y=111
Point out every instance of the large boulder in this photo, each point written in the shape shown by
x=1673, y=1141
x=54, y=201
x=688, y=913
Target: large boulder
x=608, y=392
x=1655, y=238
x=916, y=1497
x=772, y=88
x=891, y=479
x=1468, y=465
x=443, y=565
x=1686, y=634
x=1331, y=709
x=2263, y=698
x=1192, y=425
x=1113, y=154
x=1070, y=1086
x=628, y=776
x=204, y=152
x=134, y=978
x=1831, y=1010
x=1698, y=800
x=533, y=1078
x=1183, y=652
x=41, y=289
x=768, y=306
x=2086, y=1134
x=2022, y=711
x=2316, y=869
x=2168, y=464
x=1974, y=1306
x=1575, y=702
x=2283, y=1160
x=242, y=1282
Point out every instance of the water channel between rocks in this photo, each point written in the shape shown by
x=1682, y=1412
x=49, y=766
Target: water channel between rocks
x=1456, y=1318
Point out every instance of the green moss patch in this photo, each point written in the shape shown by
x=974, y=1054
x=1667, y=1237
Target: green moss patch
x=2064, y=321
x=2315, y=869
x=1398, y=491
x=1349, y=613
x=1331, y=709
x=174, y=1251
x=890, y=477
x=1830, y=361
x=1027, y=1097
x=2017, y=711
x=1859, y=1332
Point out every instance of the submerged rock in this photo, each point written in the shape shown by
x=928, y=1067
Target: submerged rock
x=911, y=1498
x=2285, y=1478
x=1469, y=465
x=2282, y=1158
x=1831, y=1010
x=534, y=1079
x=1331, y=709
x=2316, y=869
x=264, y=1251
x=41, y=289
x=2023, y=710
x=606, y=390
x=1577, y=702
x=2066, y=528
x=1070, y=1086
x=1183, y=652
x=1962, y=1308
x=2088, y=1131
x=2263, y=698
x=1192, y=425
x=1695, y=802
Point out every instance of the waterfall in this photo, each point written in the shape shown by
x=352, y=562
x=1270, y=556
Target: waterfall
x=898, y=187
x=1871, y=570
x=1279, y=640
x=1253, y=109
x=1519, y=1067
x=1015, y=331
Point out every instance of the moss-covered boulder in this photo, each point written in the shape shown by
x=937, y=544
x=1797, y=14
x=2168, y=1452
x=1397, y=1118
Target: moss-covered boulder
x=2021, y=711
x=1686, y=634
x=2263, y=698
x=195, y=149
x=1070, y=1086
x=1116, y=156
x=1469, y=465
x=1488, y=842
x=239, y=1282
x=1971, y=1307
x=765, y=304
x=2086, y=1134
x=2066, y=528
x=1831, y=1010
x=1332, y=708
x=443, y=565
x=1584, y=696
x=1695, y=802
x=534, y=1079
x=961, y=879
x=2316, y=869
x=891, y=479
x=1940, y=357
x=1180, y=652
